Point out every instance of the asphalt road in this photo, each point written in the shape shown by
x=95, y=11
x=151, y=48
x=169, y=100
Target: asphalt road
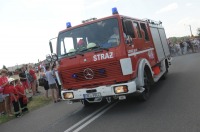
x=174, y=106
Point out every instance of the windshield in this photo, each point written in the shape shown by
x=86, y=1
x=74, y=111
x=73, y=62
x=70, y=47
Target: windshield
x=103, y=34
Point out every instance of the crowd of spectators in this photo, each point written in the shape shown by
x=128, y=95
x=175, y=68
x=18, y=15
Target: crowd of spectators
x=12, y=95
x=184, y=47
x=13, y=92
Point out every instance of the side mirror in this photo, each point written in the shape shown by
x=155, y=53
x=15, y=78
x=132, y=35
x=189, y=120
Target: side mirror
x=50, y=45
x=48, y=58
x=129, y=40
x=54, y=57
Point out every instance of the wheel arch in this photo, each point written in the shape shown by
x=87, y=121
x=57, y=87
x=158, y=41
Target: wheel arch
x=144, y=65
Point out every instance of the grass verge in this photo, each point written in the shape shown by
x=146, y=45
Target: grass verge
x=35, y=103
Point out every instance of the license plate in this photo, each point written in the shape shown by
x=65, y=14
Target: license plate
x=122, y=97
x=92, y=95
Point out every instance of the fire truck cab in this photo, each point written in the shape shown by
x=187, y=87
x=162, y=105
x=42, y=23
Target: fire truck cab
x=110, y=58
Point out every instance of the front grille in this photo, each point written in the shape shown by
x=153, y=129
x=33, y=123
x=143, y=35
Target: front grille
x=102, y=72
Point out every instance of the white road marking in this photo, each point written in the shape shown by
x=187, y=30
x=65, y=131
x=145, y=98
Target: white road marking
x=86, y=118
x=93, y=118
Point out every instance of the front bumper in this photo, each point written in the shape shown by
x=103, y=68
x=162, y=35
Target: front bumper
x=105, y=91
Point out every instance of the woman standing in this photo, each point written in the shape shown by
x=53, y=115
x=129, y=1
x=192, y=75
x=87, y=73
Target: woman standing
x=46, y=85
x=54, y=68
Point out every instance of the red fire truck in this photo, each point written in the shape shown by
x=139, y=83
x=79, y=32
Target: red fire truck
x=110, y=58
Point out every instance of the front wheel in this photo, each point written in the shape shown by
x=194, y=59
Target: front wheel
x=146, y=93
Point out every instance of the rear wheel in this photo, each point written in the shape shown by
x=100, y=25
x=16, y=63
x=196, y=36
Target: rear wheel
x=147, y=84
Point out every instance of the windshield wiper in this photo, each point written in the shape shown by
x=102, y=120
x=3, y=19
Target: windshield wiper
x=69, y=54
x=106, y=49
x=78, y=53
x=101, y=48
x=93, y=48
x=83, y=50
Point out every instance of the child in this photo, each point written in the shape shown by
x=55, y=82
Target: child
x=14, y=97
x=2, y=108
x=22, y=96
x=6, y=91
x=23, y=78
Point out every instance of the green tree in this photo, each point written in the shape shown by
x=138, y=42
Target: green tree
x=198, y=31
x=175, y=40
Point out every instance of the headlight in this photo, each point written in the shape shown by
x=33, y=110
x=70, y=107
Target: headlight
x=68, y=95
x=121, y=89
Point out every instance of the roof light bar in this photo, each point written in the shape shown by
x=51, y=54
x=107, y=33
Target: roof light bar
x=88, y=20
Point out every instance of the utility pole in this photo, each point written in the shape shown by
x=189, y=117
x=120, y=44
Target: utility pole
x=191, y=31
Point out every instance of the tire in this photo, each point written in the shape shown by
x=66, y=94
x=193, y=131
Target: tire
x=144, y=96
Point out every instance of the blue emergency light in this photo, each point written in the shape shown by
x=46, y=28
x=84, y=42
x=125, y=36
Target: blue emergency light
x=74, y=76
x=102, y=71
x=114, y=10
x=68, y=24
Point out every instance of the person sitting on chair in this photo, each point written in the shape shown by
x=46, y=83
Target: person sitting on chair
x=81, y=44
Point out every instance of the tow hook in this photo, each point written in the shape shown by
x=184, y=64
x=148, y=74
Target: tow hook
x=140, y=90
x=108, y=99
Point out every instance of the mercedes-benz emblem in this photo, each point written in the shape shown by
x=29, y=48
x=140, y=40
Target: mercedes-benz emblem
x=88, y=73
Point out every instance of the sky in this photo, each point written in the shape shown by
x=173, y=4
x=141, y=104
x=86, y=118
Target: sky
x=27, y=25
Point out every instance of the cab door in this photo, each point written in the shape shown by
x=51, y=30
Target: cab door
x=130, y=37
x=133, y=31
x=139, y=41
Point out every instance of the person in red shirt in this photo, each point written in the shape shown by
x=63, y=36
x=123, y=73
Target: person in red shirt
x=22, y=96
x=2, y=105
x=14, y=97
x=33, y=83
x=23, y=78
x=6, y=90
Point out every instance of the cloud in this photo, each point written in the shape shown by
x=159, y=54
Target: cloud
x=188, y=4
x=189, y=20
x=96, y=4
x=168, y=8
x=184, y=21
x=182, y=26
x=26, y=27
